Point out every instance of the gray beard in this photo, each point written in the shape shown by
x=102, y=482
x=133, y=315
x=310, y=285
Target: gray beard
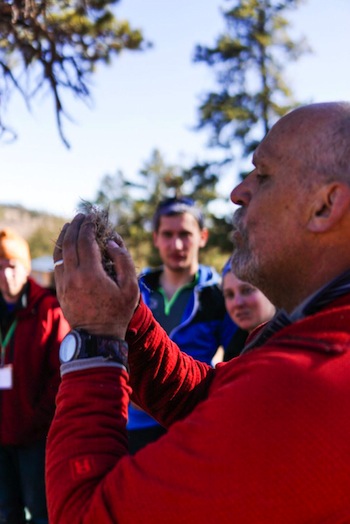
x=241, y=256
x=243, y=262
x=243, y=265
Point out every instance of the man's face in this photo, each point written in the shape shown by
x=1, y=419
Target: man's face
x=274, y=211
x=13, y=276
x=178, y=240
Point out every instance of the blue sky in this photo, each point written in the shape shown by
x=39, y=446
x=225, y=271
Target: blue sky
x=148, y=100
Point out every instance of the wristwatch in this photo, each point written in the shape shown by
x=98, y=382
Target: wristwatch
x=79, y=344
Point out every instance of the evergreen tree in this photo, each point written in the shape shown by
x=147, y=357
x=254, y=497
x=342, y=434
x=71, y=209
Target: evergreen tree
x=56, y=45
x=249, y=59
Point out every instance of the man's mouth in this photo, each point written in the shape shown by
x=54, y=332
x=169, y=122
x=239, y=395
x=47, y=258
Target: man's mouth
x=177, y=257
x=238, y=234
x=236, y=237
x=237, y=218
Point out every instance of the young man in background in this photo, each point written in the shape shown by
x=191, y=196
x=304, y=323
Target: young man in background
x=183, y=295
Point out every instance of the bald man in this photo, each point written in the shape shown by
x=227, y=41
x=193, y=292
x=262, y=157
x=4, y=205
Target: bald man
x=263, y=438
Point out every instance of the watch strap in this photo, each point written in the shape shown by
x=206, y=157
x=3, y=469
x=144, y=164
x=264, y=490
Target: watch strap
x=109, y=348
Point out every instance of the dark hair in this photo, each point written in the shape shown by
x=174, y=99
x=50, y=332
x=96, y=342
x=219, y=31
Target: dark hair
x=177, y=206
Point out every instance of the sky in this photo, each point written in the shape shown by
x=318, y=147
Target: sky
x=149, y=100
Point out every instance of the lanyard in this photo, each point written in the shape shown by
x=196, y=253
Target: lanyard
x=3, y=343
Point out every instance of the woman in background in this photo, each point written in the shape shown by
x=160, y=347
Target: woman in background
x=247, y=306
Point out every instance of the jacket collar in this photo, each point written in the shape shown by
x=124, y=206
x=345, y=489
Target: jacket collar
x=334, y=289
x=207, y=276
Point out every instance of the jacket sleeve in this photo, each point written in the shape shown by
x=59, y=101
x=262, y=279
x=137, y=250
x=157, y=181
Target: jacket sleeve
x=87, y=444
x=152, y=356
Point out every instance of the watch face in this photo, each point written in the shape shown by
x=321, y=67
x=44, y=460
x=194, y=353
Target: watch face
x=69, y=348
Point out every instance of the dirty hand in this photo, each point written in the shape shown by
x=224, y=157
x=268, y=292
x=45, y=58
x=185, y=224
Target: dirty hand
x=89, y=298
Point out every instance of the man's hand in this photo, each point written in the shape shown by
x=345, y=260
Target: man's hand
x=89, y=298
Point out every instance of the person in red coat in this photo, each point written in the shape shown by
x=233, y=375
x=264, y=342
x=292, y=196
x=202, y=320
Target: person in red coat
x=31, y=329
x=263, y=438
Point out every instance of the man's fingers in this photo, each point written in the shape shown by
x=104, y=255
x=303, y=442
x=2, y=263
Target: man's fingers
x=70, y=242
x=124, y=267
x=118, y=255
x=89, y=251
x=57, y=252
x=118, y=240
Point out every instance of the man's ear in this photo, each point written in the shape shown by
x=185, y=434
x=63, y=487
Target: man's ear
x=331, y=204
x=204, y=237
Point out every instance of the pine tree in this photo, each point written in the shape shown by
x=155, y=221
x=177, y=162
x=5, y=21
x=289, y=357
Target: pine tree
x=248, y=60
x=56, y=45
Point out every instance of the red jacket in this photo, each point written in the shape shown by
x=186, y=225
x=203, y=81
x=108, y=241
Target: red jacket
x=264, y=438
x=27, y=409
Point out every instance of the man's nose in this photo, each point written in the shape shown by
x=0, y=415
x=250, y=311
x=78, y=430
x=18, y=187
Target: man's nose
x=178, y=243
x=241, y=194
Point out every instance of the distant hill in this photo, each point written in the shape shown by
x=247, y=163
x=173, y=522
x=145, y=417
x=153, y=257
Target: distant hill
x=39, y=229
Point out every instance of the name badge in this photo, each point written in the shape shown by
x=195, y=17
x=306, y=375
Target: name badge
x=6, y=377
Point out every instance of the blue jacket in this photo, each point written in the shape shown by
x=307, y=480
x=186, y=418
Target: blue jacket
x=204, y=327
